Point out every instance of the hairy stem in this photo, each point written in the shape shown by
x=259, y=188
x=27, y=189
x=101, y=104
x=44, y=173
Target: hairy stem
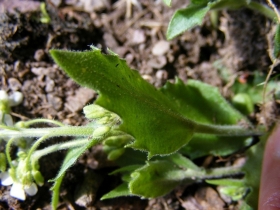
x=7, y=150
x=215, y=173
x=35, y=121
x=51, y=132
x=54, y=148
x=225, y=130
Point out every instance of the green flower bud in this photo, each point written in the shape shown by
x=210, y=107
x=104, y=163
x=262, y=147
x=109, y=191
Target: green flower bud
x=20, y=124
x=243, y=103
x=13, y=173
x=103, y=120
x=107, y=149
x=100, y=131
x=94, y=111
x=4, y=102
x=35, y=164
x=115, y=154
x=21, y=155
x=38, y=177
x=21, y=143
x=3, y=162
x=117, y=141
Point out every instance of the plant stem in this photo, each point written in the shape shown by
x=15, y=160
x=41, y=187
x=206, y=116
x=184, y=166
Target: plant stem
x=266, y=11
x=224, y=130
x=215, y=173
x=53, y=148
x=51, y=132
x=272, y=5
x=7, y=150
x=31, y=122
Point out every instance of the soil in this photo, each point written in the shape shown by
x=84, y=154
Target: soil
x=136, y=32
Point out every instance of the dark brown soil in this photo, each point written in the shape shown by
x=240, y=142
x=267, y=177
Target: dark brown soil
x=240, y=42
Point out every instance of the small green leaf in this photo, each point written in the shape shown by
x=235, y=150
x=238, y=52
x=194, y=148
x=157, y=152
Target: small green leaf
x=182, y=162
x=185, y=19
x=227, y=182
x=121, y=190
x=55, y=190
x=155, y=179
x=72, y=157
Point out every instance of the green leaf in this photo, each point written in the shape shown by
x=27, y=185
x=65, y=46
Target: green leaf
x=227, y=145
x=167, y=2
x=227, y=182
x=276, y=50
x=181, y=161
x=72, y=157
x=206, y=107
x=185, y=19
x=55, y=190
x=201, y=102
x=121, y=190
x=155, y=179
x=69, y=160
x=152, y=119
x=200, y=1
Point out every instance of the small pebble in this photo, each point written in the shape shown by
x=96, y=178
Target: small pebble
x=14, y=84
x=49, y=85
x=157, y=62
x=18, y=66
x=39, y=55
x=161, y=48
x=77, y=102
x=138, y=37
x=161, y=74
x=55, y=101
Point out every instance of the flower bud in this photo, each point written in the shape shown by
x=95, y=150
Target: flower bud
x=103, y=120
x=107, y=149
x=100, y=131
x=115, y=154
x=117, y=141
x=38, y=177
x=21, y=155
x=20, y=124
x=94, y=111
x=3, y=162
x=4, y=102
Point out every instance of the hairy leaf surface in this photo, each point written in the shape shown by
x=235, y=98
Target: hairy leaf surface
x=206, y=107
x=152, y=119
